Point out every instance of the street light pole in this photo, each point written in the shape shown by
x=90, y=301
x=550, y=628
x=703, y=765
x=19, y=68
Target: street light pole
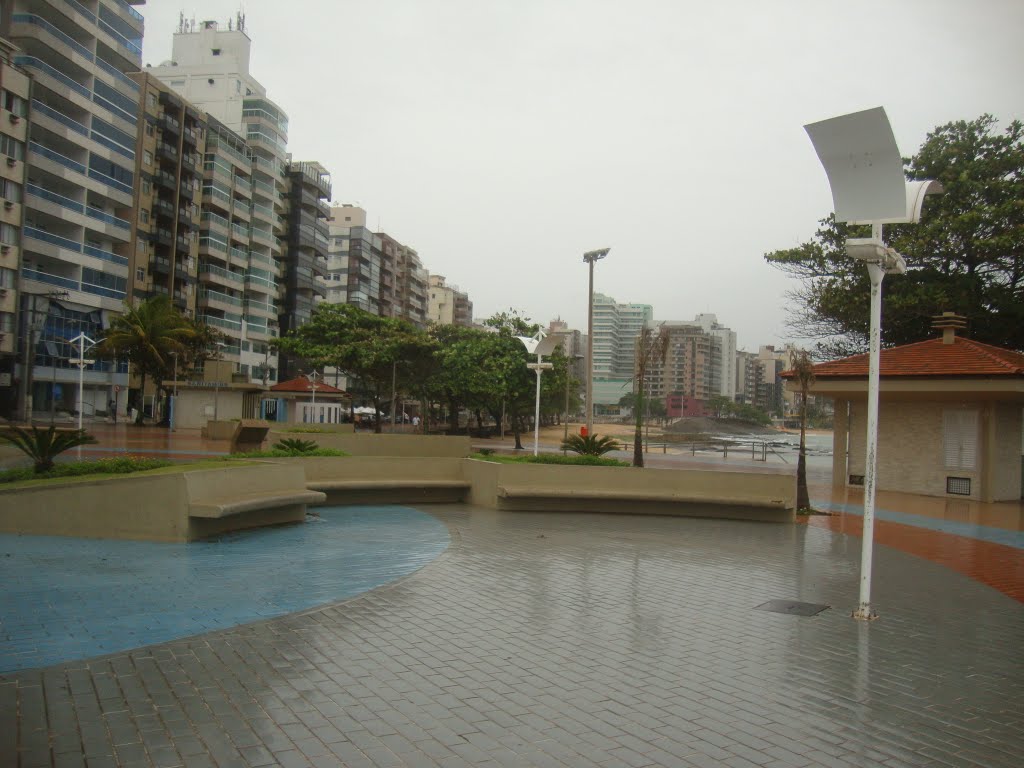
x=81, y=362
x=590, y=257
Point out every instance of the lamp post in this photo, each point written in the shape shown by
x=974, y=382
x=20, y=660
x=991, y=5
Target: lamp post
x=865, y=173
x=590, y=257
x=540, y=344
x=81, y=362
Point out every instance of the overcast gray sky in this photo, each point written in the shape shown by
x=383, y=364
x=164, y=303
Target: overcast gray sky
x=504, y=139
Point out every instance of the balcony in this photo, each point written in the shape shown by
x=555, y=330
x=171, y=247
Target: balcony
x=222, y=322
x=168, y=123
x=160, y=265
x=166, y=151
x=162, y=236
x=218, y=299
x=167, y=179
x=182, y=244
x=213, y=273
x=191, y=137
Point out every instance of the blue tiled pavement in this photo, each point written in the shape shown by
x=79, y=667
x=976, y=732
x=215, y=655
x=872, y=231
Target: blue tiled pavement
x=64, y=599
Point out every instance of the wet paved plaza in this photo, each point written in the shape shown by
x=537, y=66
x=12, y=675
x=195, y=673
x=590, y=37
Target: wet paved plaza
x=569, y=640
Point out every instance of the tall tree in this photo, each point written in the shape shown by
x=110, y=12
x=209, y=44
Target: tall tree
x=365, y=347
x=651, y=348
x=149, y=334
x=803, y=370
x=966, y=255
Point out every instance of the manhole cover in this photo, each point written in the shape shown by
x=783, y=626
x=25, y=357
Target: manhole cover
x=792, y=607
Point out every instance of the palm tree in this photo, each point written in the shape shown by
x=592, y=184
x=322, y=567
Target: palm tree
x=44, y=445
x=148, y=334
x=803, y=374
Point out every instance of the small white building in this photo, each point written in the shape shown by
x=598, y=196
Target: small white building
x=949, y=420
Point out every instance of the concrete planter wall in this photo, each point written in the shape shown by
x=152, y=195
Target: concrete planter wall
x=151, y=507
x=369, y=444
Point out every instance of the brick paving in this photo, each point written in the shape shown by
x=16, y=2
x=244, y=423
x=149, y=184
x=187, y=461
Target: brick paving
x=568, y=640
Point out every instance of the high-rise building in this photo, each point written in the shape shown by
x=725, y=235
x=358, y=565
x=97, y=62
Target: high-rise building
x=305, y=262
x=692, y=366
x=447, y=304
x=169, y=151
x=245, y=185
x=80, y=175
x=616, y=327
x=14, y=98
x=411, y=287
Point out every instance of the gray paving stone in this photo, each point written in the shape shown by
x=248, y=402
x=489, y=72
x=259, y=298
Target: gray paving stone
x=612, y=641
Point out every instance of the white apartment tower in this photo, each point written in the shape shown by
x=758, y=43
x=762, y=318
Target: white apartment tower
x=244, y=190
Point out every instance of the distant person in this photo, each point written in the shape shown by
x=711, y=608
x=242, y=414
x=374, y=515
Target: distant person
x=415, y=421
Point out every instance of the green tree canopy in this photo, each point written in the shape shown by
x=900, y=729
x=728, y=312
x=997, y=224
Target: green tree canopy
x=150, y=334
x=966, y=255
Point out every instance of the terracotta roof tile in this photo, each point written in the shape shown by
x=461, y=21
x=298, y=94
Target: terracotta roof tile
x=964, y=357
x=301, y=384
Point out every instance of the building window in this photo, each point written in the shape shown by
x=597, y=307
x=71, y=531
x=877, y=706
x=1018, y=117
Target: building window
x=10, y=190
x=146, y=187
x=147, y=157
x=14, y=103
x=144, y=216
x=11, y=147
x=150, y=100
x=140, y=275
x=7, y=278
x=215, y=51
x=8, y=234
x=960, y=439
x=140, y=245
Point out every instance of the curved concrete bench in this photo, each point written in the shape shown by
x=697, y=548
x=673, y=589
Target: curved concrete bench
x=251, y=502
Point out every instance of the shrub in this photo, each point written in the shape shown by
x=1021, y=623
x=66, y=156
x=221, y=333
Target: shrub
x=590, y=445
x=281, y=453
x=44, y=445
x=293, y=445
x=587, y=460
x=119, y=465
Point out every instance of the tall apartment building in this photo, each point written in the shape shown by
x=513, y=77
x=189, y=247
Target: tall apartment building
x=412, y=286
x=616, y=327
x=14, y=98
x=243, y=222
x=307, y=245
x=80, y=175
x=447, y=304
x=692, y=366
x=169, y=153
x=354, y=260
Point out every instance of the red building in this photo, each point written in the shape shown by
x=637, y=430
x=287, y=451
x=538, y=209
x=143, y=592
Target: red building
x=682, y=405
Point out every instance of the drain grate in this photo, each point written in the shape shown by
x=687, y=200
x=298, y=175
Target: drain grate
x=792, y=607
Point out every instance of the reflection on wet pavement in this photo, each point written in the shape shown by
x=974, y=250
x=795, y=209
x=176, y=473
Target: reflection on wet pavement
x=559, y=639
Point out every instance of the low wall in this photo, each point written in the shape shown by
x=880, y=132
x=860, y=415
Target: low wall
x=147, y=507
x=370, y=444
x=691, y=492
x=384, y=479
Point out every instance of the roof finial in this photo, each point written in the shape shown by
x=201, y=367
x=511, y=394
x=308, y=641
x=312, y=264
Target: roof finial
x=949, y=323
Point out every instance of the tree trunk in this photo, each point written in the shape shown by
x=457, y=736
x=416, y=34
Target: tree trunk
x=517, y=431
x=803, y=499
x=142, y=399
x=453, y=416
x=638, y=439
x=376, y=408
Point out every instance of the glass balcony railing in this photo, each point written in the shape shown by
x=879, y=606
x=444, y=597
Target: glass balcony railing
x=39, y=108
x=49, y=237
x=135, y=46
x=118, y=75
x=70, y=42
x=221, y=297
x=49, y=279
x=53, y=197
x=107, y=217
x=221, y=322
x=99, y=253
x=33, y=63
x=213, y=244
x=224, y=274
x=94, y=174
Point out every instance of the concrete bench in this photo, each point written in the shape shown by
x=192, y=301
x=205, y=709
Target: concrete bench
x=520, y=492
x=525, y=498
x=251, y=502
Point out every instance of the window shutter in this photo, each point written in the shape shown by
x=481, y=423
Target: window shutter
x=960, y=439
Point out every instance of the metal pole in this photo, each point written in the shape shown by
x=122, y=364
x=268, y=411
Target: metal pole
x=876, y=273
x=81, y=378
x=565, y=431
x=536, y=410
x=216, y=396
x=174, y=394
x=590, y=352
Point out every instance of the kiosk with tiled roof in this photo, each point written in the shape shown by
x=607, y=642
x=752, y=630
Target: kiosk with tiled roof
x=950, y=419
